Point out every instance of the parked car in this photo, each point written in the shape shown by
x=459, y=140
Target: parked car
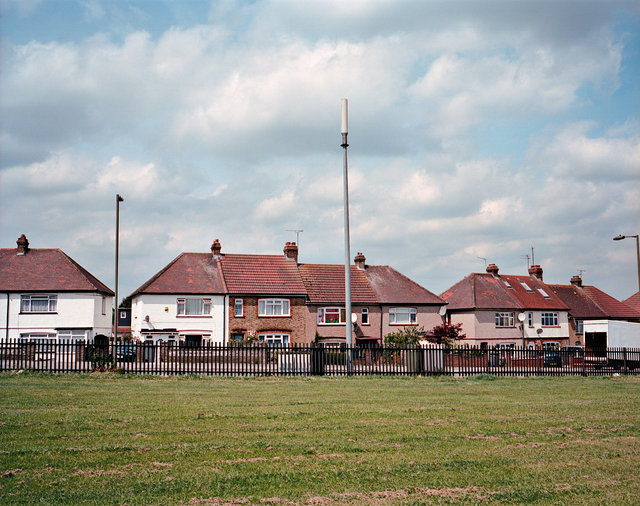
x=552, y=358
x=126, y=352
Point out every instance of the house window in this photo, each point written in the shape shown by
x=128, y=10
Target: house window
x=530, y=319
x=526, y=287
x=70, y=336
x=543, y=293
x=38, y=303
x=579, y=326
x=332, y=316
x=549, y=319
x=506, y=283
x=44, y=342
x=194, y=307
x=504, y=320
x=104, y=305
x=364, y=318
x=273, y=307
x=274, y=340
x=402, y=315
x=550, y=345
x=238, y=308
x=237, y=336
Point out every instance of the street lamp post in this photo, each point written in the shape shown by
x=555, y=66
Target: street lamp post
x=637, y=238
x=115, y=314
x=347, y=253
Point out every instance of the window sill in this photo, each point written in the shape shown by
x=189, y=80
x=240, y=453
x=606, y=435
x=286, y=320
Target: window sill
x=194, y=316
x=331, y=324
x=238, y=316
x=38, y=312
x=551, y=326
x=274, y=316
x=513, y=327
x=404, y=324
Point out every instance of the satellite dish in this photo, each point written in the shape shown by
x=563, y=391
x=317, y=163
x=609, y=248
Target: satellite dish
x=354, y=318
x=443, y=310
x=522, y=317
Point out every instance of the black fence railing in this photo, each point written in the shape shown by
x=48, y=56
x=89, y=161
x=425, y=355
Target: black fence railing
x=261, y=359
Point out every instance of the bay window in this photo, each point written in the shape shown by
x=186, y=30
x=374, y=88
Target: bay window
x=274, y=340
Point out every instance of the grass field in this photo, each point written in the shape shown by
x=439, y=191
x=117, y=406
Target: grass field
x=128, y=439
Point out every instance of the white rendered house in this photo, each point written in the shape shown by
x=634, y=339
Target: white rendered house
x=45, y=296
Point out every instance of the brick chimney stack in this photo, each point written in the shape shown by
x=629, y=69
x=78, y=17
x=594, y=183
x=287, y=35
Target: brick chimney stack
x=23, y=245
x=291, y=251
x=492, y=269
x=359, y=261
x=576, y=281
x=216, y=249
x=536, y=271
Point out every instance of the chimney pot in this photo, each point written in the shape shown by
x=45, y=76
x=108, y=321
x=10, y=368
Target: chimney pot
x=492, y=269
x=216, y=248
x=23, y=245
x=359, y=260
x=291, y=251
x=536, y=272
x=576, y=281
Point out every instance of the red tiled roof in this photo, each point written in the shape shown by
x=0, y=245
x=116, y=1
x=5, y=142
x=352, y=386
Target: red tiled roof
x=613, y=308
x=195, y=273
x=325, y=283
x=45, y=270
x=580, y=305
x=633, y=302
x=392, y=287
x=261, y=274
x=484, y=291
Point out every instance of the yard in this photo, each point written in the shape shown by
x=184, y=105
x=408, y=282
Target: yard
x=107, y=438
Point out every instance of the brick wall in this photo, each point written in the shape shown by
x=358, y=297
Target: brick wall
x=250, y=322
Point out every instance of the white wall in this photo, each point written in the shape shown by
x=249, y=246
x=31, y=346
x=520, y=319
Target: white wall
x=162, y=312
x=74, y=310
x=559, y=332
x=620, y=334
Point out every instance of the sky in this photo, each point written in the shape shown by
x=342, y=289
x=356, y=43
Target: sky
x=477, y=130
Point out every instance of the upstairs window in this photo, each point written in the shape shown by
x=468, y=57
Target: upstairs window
x=332, y=315
x=38, y=303
x=402, y=315
x=506, y=283
x=579, y=326
x=364, y=316
x=238, y=308
x=274, y=307
x=543, y=293
x=194, y=307
x=504, y=320
x=530, y=319
x=549, y=319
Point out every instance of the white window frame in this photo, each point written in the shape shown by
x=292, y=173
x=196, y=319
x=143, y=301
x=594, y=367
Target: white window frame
x=205, y=306
x=547, y=317
x=26, y=303
x=274, y=307
x=550, y=345
x=526, y=287
x=579, y=326
x=72, y=336
x=505, y=316
x=507, y=284
x=275, y=339
x=411, y=314
x=333, y=311
x=364, y=316
x=543, y=293
x=530, y=317
x=238, y=304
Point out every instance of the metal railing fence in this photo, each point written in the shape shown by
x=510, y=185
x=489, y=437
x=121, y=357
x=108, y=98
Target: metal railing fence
x=260, y=359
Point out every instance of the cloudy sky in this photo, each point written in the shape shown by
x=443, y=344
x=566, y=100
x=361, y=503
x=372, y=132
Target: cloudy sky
x=477, y=129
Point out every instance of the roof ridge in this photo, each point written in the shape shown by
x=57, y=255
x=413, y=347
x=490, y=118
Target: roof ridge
x=147, y=283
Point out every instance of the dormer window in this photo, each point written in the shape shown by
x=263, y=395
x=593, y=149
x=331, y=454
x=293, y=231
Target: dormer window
x=526, y=287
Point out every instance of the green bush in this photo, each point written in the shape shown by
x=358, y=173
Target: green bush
x=408, y=336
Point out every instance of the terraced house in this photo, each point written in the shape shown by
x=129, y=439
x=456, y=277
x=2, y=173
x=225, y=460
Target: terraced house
x=219, y=297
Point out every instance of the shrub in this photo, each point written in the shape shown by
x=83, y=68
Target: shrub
x=408, y=336
x=448, y=333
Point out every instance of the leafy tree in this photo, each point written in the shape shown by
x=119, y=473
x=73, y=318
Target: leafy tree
x=448, y=333
x=126, y=303
x=408, y=336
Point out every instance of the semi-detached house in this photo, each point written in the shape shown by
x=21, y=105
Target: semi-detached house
x=47, y=297
x=218, y=297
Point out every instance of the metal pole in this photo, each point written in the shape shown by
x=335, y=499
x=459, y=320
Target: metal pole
x=347, y=246
x=115, y=314
x=638, y=258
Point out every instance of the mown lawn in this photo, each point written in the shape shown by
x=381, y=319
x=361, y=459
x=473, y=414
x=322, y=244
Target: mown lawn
x=127, y=439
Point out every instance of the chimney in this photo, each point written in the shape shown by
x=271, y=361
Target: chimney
x=216, y=248
x=576, y=281
x=536, y=271
x=492, y=269
x=359, y=261
x=291, y=251
x=23, y=245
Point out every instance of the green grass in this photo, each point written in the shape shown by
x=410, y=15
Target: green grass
x=128, y=439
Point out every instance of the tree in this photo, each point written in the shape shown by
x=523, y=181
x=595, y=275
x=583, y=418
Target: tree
x=448, y=333
x=408, y=336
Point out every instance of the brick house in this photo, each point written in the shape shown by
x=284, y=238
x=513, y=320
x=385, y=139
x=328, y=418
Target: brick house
x=46, y=296
x=508, y=310
x=382, y=300
x=590, y=304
